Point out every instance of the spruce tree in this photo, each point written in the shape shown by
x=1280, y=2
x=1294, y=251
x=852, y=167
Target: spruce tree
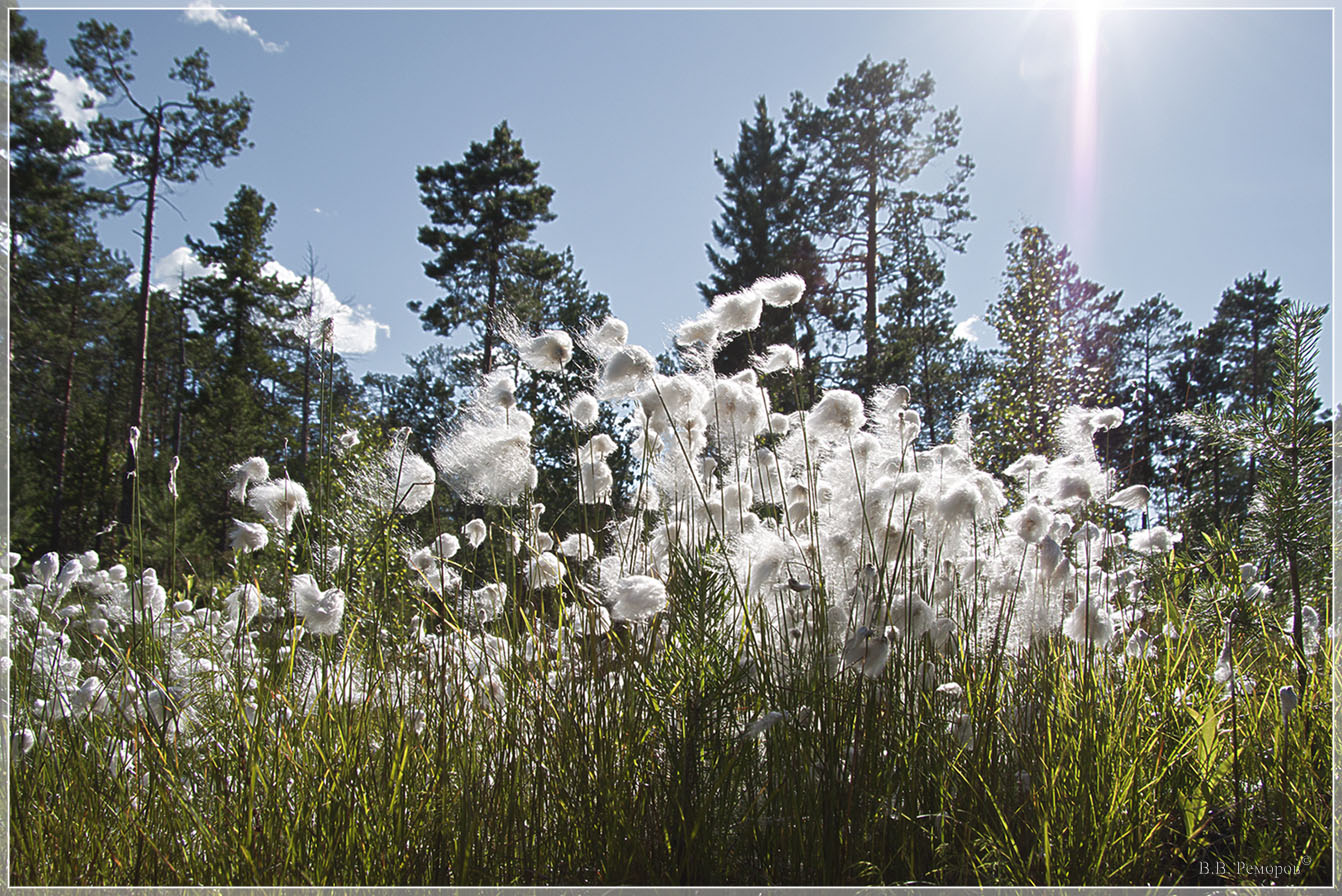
x=1030, y=382
x=1153, y=338
x=761, y=234
x=246, y=311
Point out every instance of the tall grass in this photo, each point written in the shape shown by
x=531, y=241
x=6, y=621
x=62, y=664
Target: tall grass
x=809, y=652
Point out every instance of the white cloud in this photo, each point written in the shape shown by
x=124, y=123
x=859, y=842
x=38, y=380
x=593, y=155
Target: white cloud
x=204, y=12
x=965, y=329
x=178, y=265
x=355, y=332
x=68, y=95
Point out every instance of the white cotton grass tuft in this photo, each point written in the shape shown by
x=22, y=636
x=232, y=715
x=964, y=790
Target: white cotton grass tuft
x=486, y=459
x=1288, y=700
x=596, y=482
x=606, y=338
x=445, y=546
x=1106, y=418
x=246, y=538
x=409, y=481
x=475, y=532
x=584, y=410
x=776, y=358
x=703, y=330
x=497, y=391
x=737, y=312
x=578, y=547
x=485, y=603
x=625, y=371
x=780, y=292
x=549, y=352
x=321, y=611
x=598, y=447
x=544, y=570
x=45, y=569
x=253, y=469
x=279, y=502
x=1032, y=522
x=866, y=650
x=242, y=606
x=1156, y=540
x=838, y=413
x=636, y=598
x=1026, y=467
x=1310, y=635
x=1089, y=622
x=766, y=721
x=1134, y=497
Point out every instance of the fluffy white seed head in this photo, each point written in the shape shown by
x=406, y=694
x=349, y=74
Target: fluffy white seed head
x=838, y=413
x=738, y=311
x=409, y=481
x=1156, y=540
x=636, y=599
x=247, y=537
x=253, y=469
x=583, y=410
x=578, y=547
x=776, y=358
x=698, y=330
x=626, y=370
x=544, y=570
x=242, y=605
x=475, y=532
x=606, y=338
x=548, y=353
x=279, y=501
x=321, y=611
x=1134, y=497
x=445, y=546
x=780, y=292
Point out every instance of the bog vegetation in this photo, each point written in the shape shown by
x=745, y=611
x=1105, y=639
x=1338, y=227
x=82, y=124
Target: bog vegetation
x=823, y=595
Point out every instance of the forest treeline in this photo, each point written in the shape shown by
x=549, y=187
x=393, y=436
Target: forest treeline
x=864, y=193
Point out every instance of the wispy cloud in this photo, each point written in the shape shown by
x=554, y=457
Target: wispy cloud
x=965, y=329
x=204, y=12
x=355, y=331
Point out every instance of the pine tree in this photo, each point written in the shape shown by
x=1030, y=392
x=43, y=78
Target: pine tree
x=158, y=143
x=482, y=212
x=761, y=234
x=865, y=150
x=68, y=307
x=1229, y=366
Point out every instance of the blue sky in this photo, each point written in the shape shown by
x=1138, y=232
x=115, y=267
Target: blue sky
x=1206, y=154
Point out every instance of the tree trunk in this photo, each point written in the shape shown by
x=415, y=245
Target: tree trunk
x=304, y=435
x=869, y=270
x=179, y=399
x=142, y=318
x=489, y=312
x=63, y=439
